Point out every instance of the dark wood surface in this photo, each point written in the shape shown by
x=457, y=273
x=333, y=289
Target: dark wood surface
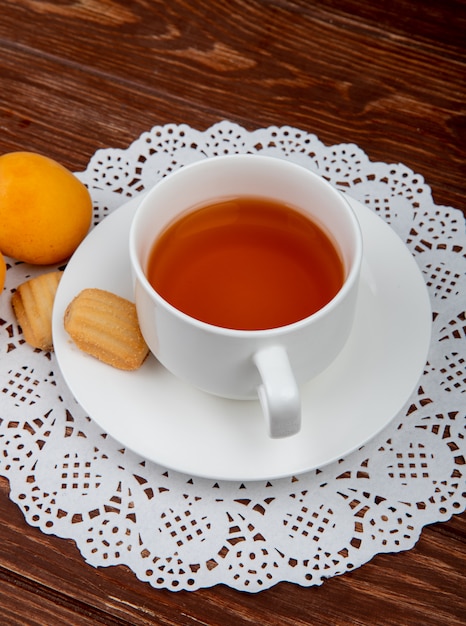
x=389, y=76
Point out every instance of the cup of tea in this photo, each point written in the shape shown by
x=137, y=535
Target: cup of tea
x=246, y=272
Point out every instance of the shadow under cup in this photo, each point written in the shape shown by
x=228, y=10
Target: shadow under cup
x=238, y=363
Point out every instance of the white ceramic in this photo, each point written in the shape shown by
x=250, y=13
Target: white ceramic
x=239, y=364
x=169, y=422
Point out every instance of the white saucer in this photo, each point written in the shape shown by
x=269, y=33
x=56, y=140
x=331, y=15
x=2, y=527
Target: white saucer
x=167, y=421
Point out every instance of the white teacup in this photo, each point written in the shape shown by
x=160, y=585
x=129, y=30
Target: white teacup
x=268, y=363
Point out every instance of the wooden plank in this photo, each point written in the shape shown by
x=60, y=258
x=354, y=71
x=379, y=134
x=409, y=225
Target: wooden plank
x=78, y=76
x=108, y=91
x=391, y=586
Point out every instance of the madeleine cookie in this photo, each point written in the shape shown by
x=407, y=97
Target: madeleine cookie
x=33, y=303
x=106, y=326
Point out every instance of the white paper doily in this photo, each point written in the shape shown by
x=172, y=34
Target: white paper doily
x=178, y=532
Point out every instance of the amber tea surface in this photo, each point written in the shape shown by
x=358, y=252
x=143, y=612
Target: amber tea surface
x=245, y=263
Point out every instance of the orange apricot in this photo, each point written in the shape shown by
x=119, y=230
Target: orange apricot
x=45, y=210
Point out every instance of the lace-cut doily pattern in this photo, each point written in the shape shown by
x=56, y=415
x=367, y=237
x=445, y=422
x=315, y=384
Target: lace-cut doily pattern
x=179, y=532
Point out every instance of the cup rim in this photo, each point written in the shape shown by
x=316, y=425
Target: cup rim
x=348, y=284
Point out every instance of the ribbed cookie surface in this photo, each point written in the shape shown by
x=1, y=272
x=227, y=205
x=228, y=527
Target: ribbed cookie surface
x=32, y=303
x=106, y=326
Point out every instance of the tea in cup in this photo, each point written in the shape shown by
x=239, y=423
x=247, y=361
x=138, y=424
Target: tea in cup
x=245, y=271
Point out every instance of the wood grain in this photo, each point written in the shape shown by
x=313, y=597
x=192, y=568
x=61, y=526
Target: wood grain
x=76, y=76
x=300, y=63
x=422, y=586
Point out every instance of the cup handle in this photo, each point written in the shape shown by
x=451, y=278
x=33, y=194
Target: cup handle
x=278, y=394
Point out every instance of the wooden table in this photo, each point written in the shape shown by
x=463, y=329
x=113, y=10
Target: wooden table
x=388, y=76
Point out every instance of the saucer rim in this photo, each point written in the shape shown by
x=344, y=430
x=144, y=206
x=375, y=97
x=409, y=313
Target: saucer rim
x=63, y=344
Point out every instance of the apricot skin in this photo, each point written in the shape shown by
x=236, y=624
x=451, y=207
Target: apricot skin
x=45, y=210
